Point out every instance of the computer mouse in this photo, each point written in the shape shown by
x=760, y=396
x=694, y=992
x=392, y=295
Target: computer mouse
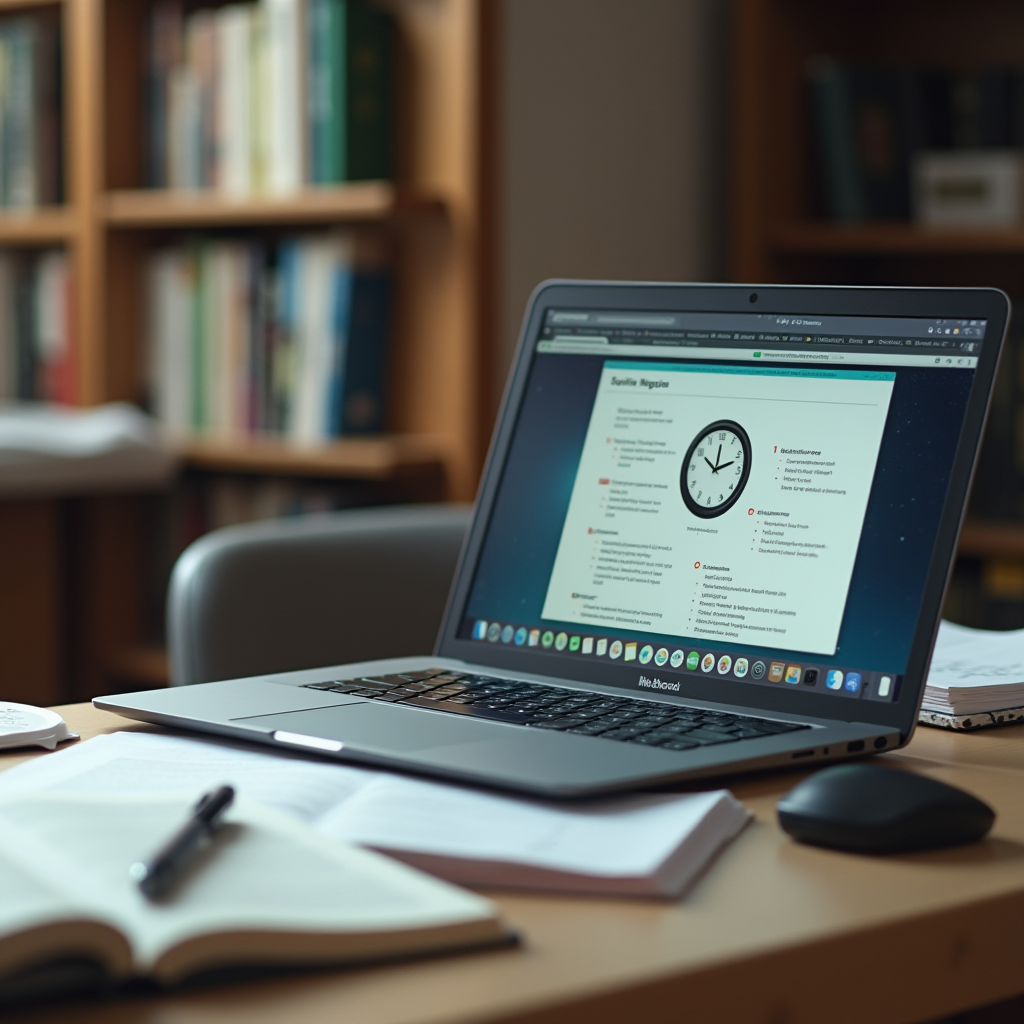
x=866, y=808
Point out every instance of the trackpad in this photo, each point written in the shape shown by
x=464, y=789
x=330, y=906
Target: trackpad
x=379, y=727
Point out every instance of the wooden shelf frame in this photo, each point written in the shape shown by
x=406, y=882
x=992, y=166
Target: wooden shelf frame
x=362, y=201
x=40, y=226
x=385, y=457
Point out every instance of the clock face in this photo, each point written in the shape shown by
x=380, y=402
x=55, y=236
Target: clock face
x=716, y=469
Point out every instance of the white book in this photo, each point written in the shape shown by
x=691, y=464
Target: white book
x=169, y=342
x=315, y=336
x=8, y=346
x=268, y=891
x=52, y=339
x=643, y=845
x=259, y=99
x=233, y=97
x=184, y=143
x=284, y=92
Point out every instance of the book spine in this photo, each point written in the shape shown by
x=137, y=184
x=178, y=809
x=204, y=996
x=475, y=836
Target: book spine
x=283, y=20
x=199, y=311
x=344, y=280
x=363, y=395
x=5, y=115
x=259, y=101
x=368, y=44
x=233, y=24
x=21, y=184
x=25, y=328
x=8, y=336
x=829, y=89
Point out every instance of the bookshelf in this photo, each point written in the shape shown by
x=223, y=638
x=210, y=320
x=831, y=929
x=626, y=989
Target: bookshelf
x=435, y=214
x=777, y=233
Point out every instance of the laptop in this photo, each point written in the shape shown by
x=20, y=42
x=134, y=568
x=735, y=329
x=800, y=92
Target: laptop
x=713, y=535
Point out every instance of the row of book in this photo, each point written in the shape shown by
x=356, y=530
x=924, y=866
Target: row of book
x=36, y=327
x=269, y=96
x=284, y=339
x=871, y=121
x=30, y=111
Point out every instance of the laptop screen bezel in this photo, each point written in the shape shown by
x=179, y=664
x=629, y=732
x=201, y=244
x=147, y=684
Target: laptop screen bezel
x=973, y=303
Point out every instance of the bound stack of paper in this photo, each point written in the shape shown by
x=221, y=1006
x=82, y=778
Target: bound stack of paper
x=268, y=890
x=640, y=845
x=976, y=677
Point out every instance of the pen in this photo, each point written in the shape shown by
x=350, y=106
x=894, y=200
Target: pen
x=163, y=871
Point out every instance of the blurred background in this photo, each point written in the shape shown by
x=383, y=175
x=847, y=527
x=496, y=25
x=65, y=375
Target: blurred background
x=295, y=239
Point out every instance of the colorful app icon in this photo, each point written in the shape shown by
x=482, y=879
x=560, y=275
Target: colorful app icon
x=587, y=647
x=520, y=636
x=775, y=671
x=724, y=664
x=574, y=644
x=884, y=686
x=601, y=648
x=534, y=638
x=810, y=677
x=834, y=679
x=707, y=663
x=793, y=674
x=692, y=661
x=560, y=641
x=758, y=669
x=493, y=632
x=480, y=629
x=547, y=639
x=677, y=658
x=852, y=682
x=615, y=650
x=507, y=634
x=739, y=670
x=646, y=653
x=661, y=656
x=630, y=650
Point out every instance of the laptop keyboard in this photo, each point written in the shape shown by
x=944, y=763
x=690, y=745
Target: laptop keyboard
x=625, y=719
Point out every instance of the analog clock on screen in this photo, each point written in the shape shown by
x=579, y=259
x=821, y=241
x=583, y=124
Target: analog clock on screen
x=716, y=469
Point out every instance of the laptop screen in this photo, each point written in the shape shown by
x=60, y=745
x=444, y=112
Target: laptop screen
x=709, y=498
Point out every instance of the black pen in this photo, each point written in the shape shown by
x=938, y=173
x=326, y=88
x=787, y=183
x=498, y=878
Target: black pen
x=165, y=868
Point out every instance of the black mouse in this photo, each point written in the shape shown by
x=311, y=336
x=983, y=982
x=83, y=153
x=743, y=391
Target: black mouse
x=869, y=809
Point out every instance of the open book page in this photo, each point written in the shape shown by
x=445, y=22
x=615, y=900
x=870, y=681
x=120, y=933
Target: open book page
x=624, y=838
x=41, y=913
x=263, y=887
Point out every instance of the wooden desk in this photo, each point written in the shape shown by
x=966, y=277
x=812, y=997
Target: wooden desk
x=774, y=932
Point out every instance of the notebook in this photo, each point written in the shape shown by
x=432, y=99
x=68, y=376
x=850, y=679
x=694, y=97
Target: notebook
x=652, y=845
x=976, y=678
x=269, y=891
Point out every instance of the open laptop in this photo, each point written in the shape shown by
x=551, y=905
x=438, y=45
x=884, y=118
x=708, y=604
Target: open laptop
x=713, y=534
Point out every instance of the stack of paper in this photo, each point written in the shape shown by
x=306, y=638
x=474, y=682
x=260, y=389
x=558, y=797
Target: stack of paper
x=639, y=845
x=975, y=672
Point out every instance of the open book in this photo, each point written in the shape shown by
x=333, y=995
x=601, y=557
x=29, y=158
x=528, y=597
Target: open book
x=648, y=844
x=267, y=891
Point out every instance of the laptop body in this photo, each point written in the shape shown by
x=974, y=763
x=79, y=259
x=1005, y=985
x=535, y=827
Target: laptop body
x=713, y=535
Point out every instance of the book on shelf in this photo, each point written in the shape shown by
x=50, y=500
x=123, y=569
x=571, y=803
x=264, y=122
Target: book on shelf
x=289, y=339
x=872, y=121
x=271, y=891
x=270, y=96
x=30, y=110
x=36, y=327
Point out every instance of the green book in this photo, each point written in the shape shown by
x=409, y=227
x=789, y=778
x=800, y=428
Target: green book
x=367, y=144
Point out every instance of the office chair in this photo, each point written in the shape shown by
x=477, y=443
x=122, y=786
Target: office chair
x=309, y=592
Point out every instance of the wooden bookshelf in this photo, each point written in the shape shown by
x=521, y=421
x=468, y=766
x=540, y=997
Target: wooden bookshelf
x=440, y=376
x=776, y=232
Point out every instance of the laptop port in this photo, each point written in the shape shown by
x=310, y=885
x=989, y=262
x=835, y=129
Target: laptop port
x=880, y=742
x=803, y=753
x=855, y=747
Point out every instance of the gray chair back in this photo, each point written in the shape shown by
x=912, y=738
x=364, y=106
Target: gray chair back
x=310, y=592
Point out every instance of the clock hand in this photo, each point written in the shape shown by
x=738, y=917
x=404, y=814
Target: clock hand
x=717, y=457
x=708, y=461
x=724, y=464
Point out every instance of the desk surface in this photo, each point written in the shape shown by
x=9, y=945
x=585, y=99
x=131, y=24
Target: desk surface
x=773, y=931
